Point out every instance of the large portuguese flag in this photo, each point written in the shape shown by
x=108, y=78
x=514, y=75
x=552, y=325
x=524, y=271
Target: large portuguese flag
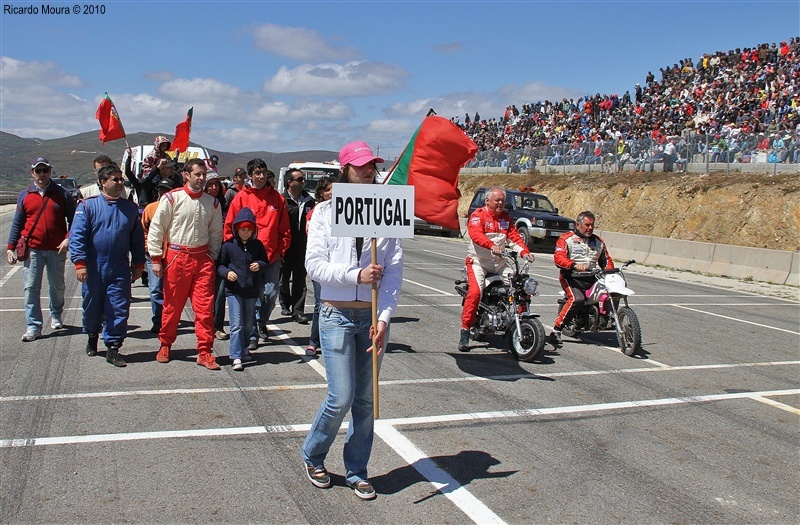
x=430, y=163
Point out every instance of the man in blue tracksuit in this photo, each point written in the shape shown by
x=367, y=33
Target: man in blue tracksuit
x=106, y=228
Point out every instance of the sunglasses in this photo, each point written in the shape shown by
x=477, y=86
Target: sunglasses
x=41, y=170
x=298, y=179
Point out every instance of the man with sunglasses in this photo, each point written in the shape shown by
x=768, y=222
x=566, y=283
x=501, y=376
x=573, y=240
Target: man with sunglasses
x=105, y=230
x=293, y=269
x=272, y=229
x=44, y=213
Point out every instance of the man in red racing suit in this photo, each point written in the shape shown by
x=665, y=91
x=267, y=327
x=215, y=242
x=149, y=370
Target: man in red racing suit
x=490, y=229
x=578, y=251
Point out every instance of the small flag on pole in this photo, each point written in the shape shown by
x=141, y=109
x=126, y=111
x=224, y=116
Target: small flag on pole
x=110, y=124
x=182, y=131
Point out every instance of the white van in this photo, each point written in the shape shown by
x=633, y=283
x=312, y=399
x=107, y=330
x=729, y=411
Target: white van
x=138, y=153
x=312, y=171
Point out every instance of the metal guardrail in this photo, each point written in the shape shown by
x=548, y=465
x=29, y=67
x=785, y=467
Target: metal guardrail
x=8, y=197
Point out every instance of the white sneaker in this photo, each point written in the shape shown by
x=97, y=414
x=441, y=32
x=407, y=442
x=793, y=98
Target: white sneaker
x=237, y=365
x=56, y=324
x=31, y=334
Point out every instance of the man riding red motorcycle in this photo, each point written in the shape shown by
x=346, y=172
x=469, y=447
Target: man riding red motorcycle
x=578, y=251
x=490, y=230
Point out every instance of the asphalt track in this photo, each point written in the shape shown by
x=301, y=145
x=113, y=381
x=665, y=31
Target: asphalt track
x=701, y=428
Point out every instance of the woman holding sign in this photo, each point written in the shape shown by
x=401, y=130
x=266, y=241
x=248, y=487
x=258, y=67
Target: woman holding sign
x=343, y=266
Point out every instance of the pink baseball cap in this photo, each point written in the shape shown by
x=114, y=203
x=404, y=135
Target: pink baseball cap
x=357, y=154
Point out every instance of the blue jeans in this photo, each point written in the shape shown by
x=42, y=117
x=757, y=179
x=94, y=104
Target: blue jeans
x=242, y=313
x=268, y=296
x=345, y=339
x=32, y=274
x=156, y=286
x=313, y=340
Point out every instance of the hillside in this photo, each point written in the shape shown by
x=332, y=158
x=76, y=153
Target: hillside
x=746, y=210
x=72, y=156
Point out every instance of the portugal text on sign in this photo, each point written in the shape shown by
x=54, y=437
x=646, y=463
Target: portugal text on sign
x=372, y=211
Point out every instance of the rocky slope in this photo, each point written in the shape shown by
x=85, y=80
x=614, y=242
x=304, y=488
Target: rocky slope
x=746, y=210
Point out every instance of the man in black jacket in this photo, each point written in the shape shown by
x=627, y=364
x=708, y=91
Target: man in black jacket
x=293, y=271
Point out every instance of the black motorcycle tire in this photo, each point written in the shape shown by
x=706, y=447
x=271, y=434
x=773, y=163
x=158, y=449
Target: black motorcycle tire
x=631, y=331
x=531, y=342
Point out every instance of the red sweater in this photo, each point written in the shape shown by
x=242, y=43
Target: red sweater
x=272, y=219
x=51, y=230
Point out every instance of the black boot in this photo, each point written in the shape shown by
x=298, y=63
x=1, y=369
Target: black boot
x=91, y=345
x=113, y=357
x=463, y=341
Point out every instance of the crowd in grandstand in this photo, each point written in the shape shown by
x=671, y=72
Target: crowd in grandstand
x=741, y=103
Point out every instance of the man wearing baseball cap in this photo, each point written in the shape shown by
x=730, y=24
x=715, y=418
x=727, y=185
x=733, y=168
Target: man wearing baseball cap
x=44, y=215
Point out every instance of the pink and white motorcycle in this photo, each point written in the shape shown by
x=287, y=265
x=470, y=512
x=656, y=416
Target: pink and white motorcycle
x=606, y=308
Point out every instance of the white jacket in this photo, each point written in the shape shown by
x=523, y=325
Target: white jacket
x=187, y=221
x=331, y=261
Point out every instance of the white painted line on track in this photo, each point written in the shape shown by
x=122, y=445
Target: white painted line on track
x=441, y=480
x=716, y=304
x=442, y=292
x=777, y=404
x=388, y=382
x=579, y=409
x=461, y=257
x=448, y=295
x=735, y=319
x=11, y=272
x=421, y=420
x=314, y=363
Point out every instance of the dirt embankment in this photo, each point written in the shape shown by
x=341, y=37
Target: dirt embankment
x=758, y=211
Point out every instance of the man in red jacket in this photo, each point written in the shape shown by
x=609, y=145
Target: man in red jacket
x=273, y=230
x=490, y=230
x=578, y=251
x=44, y=212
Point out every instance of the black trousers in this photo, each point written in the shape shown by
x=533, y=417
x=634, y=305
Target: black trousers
x=292, y=294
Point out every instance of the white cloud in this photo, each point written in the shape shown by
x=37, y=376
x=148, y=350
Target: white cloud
x=299, y=44
x=14, y=71
x=353, y=79
x=33, y=103
x=159, y=76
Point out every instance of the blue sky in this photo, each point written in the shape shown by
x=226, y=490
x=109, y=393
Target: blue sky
x=287, y=76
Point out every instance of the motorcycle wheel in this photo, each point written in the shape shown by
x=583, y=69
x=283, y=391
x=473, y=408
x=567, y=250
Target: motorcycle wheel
x=530, y=342
x=631, y=340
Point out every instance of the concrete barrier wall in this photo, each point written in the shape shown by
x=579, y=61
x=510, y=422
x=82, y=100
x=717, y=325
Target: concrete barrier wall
x=627, y=246
x=751, y=263
x=773, y=266
x=794, y=273
x=676, y=253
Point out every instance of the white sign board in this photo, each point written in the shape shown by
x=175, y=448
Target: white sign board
x=372, y=210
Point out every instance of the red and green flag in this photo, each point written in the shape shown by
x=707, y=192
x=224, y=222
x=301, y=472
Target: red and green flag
x=182, y=131
x=110, y=124
x=431, y=162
